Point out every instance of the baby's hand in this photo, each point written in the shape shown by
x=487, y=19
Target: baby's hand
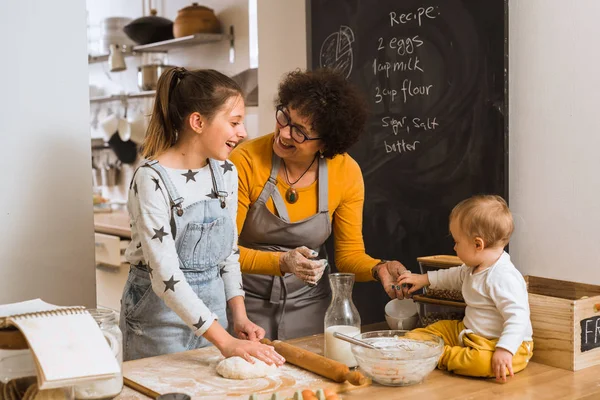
x=415, y=281
x=501, y=360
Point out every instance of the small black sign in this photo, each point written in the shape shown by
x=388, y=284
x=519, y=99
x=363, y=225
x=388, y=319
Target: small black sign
x=590, y=333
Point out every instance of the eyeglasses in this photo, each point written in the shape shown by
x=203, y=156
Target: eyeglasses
x=283, y=119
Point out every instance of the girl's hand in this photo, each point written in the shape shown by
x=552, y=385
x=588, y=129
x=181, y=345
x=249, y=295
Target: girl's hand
x=415, y=281
x=247, y=330
x=246, y=348
x=501, y=360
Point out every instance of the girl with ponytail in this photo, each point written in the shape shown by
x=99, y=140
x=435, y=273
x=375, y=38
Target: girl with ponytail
x=184, y=256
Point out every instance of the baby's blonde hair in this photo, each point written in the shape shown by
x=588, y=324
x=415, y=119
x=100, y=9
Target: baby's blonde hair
x=484, y=216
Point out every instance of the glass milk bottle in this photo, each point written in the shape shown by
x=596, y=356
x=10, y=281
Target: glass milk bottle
x=341, y=316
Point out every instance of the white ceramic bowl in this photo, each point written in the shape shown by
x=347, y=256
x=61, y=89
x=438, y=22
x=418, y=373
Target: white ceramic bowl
x=399, y=360
x=401, y=314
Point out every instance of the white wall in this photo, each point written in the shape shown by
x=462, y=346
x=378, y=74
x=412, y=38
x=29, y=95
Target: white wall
x=282, y=48
x=554, y=138
x=554, y=130
x=46, y=229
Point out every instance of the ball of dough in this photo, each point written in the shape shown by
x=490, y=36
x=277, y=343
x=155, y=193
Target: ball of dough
x=238, y=368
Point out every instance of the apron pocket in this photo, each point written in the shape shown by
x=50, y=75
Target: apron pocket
x=205, y=245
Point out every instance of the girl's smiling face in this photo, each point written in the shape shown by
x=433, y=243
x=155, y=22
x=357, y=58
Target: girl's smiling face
x=225, y=130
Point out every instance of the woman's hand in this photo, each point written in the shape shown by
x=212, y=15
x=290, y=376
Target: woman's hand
x=388, y=273
x=245, y=349
x=247, y=330
x=299, y=263
x=413, y=282
x=501, y=360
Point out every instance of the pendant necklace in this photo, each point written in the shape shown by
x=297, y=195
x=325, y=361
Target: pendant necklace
x=291, y=195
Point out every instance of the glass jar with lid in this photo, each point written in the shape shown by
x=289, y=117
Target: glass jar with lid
x=105, y=388
x=18, y=376
x=343, y=317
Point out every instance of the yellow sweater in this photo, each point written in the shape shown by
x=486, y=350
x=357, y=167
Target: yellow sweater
x=346, y=198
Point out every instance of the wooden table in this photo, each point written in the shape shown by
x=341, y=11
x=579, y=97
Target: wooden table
x=536, y=382
x=113, y=223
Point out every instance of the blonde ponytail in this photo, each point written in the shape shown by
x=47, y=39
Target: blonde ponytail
x=161, y=134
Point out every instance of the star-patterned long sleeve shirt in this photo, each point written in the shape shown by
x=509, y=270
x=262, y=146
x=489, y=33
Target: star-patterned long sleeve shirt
x=152, y=244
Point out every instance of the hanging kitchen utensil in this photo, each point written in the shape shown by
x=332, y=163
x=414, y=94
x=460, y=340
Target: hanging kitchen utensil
x=116, y=58
x=195, y=19
x=125, y=151
x=149, y=29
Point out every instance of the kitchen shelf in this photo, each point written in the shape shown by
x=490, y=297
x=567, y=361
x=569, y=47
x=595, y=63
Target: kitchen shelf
x=122, y=97
x=172, y=44
x=192, y=40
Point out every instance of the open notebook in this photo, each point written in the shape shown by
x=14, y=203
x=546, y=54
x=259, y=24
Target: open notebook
x=67, y=344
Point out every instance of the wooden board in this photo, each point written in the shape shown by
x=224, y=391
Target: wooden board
x=442, y=261
x=115, y=223
x=193, y=372
x=537, y=381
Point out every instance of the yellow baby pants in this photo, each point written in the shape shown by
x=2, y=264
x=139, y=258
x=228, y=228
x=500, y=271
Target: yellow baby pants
x=472, y=357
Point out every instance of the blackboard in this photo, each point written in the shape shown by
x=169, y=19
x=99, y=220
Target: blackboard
x=590, y=333
x=435, y=77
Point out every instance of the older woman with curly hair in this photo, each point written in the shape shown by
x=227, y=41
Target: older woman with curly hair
x=295, y=185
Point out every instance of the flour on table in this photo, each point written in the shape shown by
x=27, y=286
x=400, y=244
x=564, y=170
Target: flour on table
x=238, y=368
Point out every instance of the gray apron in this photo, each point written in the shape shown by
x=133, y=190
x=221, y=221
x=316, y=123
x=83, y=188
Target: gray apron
x=285, y=306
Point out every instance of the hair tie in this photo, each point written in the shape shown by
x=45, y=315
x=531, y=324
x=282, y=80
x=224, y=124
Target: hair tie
x=180, y=72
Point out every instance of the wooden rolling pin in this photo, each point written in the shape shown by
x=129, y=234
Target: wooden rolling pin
x=320, y=365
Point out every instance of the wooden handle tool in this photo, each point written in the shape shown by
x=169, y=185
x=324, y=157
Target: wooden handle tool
x=140, y=388
x=320, y=365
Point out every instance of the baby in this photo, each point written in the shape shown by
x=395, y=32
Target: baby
x=495, y=337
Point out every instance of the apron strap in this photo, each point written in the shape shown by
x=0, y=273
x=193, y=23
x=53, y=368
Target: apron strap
x=323, y=183
x=174, y=199
x=271, y=183
x=270, y=190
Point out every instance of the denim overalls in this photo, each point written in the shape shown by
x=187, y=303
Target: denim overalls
x=203, y=233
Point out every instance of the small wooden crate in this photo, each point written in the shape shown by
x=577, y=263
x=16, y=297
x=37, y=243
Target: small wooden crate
x=566, y=323
x=430, y=263
x=433, y=263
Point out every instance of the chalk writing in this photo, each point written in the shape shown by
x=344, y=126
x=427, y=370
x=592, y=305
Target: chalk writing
x=401, y=146
x=412, y=64
x=403, y=46
x=590, y=333
x=405, y=123
x=422, y=13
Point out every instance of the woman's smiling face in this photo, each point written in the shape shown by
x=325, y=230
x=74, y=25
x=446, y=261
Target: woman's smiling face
x=289, y=149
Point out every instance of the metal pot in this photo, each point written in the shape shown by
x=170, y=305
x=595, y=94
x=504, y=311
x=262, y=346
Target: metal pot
x=148, y=75
x=149, y=29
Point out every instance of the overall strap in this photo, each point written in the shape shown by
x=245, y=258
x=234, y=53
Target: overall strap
x=219, y=189
x=174, y=199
